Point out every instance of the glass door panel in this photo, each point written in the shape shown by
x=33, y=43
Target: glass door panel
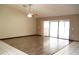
x=64, y=29
x=53, y=28
x=61, y=29
x=66, y=34
x=46, y=28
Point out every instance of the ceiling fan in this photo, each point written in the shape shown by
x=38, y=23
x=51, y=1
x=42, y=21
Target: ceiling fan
x=30, y=13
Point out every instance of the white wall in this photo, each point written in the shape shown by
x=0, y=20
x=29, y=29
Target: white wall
x=14, y=23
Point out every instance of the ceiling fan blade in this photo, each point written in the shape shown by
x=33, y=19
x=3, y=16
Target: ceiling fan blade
x=35, y=14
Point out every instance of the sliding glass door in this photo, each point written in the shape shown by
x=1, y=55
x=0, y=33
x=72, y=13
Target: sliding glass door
x=58, y=29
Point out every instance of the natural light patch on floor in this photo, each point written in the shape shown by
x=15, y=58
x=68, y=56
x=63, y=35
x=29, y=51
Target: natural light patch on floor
x=53, y=45
x=71, y=49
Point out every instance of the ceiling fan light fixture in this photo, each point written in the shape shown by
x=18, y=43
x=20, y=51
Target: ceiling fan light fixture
x=29, y=15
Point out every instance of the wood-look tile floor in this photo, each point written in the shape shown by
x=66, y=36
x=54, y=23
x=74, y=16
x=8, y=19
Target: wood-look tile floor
x=38, y=45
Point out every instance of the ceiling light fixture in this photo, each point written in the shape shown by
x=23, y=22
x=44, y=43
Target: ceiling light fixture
x=29, y=11
x=29, y=14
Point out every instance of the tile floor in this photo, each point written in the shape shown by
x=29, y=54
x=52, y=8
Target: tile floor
x=71, y=49
x=6, y=49
x=38, y=45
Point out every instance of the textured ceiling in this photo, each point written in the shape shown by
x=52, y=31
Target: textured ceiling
x=45, y=10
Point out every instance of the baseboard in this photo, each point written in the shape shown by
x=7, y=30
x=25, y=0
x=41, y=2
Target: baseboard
x=64, y=39
x=74, y=40
x=32, y=35
x=19, y=36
